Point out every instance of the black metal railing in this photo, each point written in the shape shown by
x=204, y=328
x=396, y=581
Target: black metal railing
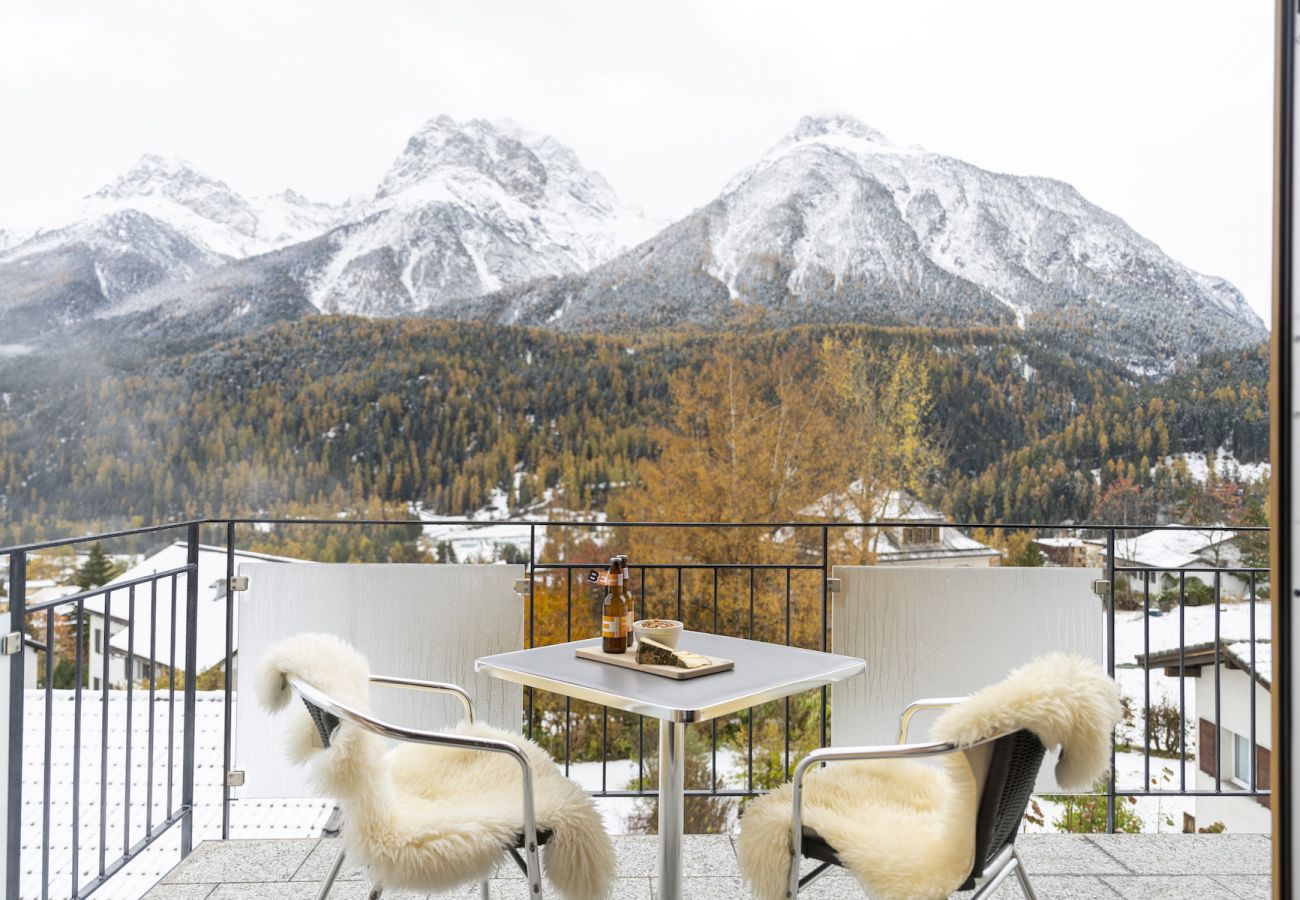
x=800, y=580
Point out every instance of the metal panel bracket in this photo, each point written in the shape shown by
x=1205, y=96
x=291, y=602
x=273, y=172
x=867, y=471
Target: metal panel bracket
x=238, y=583
x=11, y=644
x=521, y=586
x=833, y=585
x=1101, y=587
x=235, y=778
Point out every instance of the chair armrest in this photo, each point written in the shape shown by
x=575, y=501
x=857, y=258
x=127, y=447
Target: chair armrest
x=916, y=706
x=437, y=687
x=845, y=754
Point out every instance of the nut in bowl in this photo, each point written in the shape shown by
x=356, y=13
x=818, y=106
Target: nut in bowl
x=665, y=631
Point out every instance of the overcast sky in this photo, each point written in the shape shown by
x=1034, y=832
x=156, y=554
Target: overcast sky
x=1158, y=111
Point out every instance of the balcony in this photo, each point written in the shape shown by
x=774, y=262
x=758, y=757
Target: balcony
x=1141, y=867
x=124, y=775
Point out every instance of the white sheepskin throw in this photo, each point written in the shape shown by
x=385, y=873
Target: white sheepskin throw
x=906, y=830
x=427, y=818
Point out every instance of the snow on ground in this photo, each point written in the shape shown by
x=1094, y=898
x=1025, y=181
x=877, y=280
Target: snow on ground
x=1225, y=466
x=484, y=535
x=1132, y=636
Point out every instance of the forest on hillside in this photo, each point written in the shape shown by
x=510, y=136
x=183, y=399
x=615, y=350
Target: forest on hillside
x=338, y=415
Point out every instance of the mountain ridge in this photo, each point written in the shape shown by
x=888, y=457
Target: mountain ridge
x=488, y=221
x=834, y=222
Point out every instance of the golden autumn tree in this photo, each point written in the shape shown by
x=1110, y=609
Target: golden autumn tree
x=747, y=442
x=886, y=453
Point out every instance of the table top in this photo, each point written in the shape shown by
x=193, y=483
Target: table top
x=763, y=672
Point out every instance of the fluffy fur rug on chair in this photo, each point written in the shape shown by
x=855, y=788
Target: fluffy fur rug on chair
x=906, y=830
x=429, y=818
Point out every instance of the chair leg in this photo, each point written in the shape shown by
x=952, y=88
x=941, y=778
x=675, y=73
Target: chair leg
x=335, y=867
x=1023, y=877
x=999, y=872
x=484, y=891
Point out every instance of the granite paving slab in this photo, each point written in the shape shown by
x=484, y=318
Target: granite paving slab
x=1065, y=867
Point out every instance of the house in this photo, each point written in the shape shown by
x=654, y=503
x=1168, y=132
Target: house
x=921, y=536
x=1071, y=552
x=1167, y=551
x=1241, y=673
x=152, y=617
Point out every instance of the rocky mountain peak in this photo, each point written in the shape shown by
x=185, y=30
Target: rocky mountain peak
x=811, y=127
x=156, y=179
x=444, y=146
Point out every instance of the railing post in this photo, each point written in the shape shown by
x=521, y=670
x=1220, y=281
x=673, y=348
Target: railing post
x=191, y=663
x=229, y=676
x=826, y=576
x=14, y=787
x=532, y=612
x=1110, y=670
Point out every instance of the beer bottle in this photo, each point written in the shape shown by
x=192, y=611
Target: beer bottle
x=627, y=594
x=614, y=622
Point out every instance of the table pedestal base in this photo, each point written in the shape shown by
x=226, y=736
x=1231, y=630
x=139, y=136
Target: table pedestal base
x=672, y=795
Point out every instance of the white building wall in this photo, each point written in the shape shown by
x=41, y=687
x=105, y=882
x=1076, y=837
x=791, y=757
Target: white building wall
x=1238, y=814
x=931, y=632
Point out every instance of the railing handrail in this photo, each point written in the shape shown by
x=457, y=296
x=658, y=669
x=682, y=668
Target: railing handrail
x=1111, y=541
x=591, y=523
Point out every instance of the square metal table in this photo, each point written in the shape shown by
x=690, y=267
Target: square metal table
x=763, y=672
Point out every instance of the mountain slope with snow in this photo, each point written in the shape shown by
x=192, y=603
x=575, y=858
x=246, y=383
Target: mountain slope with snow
x=467, y=208
x=159, y=225
x=835, y=223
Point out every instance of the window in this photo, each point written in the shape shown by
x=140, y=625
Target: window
x=1241, y=762
x=99, y=641
x=921, y=534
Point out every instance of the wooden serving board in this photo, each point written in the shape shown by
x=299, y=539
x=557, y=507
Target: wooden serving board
x=628, y=661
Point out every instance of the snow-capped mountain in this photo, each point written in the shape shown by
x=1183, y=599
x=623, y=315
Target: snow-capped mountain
x=160, y=224
x=836, y=223
x=465, y=209
x=9, y=237
x=468, y=208
x=473, y=219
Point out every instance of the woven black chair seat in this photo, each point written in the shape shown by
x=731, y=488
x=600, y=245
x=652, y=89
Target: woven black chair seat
x=543, y=835
x=815, y=847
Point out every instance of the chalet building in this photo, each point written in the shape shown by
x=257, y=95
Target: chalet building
x=107, y=621
x=1071, y=552
x=1241, y=749
x=1167, y=552
x=922, y=535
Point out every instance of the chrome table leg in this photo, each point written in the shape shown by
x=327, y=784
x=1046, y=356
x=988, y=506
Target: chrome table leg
x=672, y=787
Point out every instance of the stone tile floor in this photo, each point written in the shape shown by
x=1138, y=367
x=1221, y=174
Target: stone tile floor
x=1150, y=867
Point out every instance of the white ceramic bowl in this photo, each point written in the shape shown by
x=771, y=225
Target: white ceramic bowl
x=666, y=636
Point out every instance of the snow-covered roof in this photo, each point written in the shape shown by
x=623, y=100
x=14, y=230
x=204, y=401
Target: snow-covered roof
x=296, y=818
x=905, y=509
x=951, y=543
x=1171, y=549
x=1061, y=542
x=211, y=645
x=897, y=506
x=49, y=592
x=1231, y=653
x=1239, y=653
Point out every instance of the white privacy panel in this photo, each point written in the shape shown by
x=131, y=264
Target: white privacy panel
x=941, y=632
x=417, y=621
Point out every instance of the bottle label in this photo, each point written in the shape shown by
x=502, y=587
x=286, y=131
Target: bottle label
x=627, y=627
x=614, y=626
